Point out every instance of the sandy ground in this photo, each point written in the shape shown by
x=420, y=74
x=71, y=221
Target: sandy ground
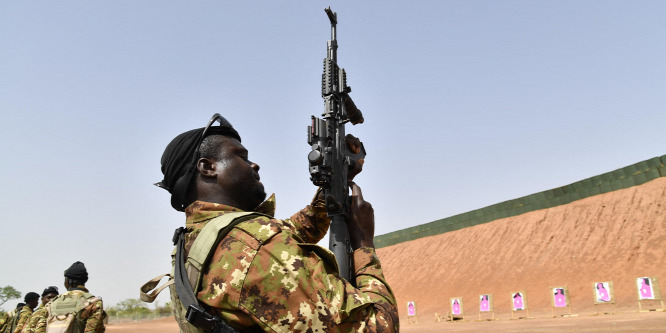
x=165, y=325
x=626, y=322
x=620, y=322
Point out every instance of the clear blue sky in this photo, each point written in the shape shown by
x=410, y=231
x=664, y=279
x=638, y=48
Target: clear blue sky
x=467, y=104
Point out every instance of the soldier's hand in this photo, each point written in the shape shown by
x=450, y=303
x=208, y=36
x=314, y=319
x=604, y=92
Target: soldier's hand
x=354, y=145
x=362, y=220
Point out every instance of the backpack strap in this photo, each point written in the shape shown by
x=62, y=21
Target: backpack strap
x=187, y=279
x=85, y=306
x=145, y=292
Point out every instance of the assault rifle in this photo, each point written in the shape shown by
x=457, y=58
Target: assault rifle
x=330, y=157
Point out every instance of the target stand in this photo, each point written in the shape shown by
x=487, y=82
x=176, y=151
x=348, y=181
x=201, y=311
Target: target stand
x=649, y=292
x=519, y=306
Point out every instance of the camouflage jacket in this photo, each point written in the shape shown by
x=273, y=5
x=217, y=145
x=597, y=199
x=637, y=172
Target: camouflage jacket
x=6, y=326
x=3, y=320
x=23, y=317
x=9, y=322
x=269, y=274
x=32, y=322
x=93, y=314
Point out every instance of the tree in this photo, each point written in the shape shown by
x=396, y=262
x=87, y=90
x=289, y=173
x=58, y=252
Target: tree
x=133, y=308
x=131, y=304
x=165, y=310
x=7, y=293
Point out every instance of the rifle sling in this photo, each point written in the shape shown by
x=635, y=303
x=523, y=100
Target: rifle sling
x=196, y=314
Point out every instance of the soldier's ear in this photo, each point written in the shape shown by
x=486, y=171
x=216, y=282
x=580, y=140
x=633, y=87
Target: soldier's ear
x=207, y=167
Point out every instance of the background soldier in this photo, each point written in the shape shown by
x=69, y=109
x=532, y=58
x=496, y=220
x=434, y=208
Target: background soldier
x=47, y=295
x=88, y=314
x=31, y=300
x=11, y=317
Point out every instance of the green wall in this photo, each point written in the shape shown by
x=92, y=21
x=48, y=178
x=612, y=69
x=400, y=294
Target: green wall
x=632, y=175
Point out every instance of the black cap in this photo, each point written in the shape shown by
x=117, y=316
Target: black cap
x=20, y=305
x=49, y=290
x=180, y=157
x=30, y=296
x=77, y=272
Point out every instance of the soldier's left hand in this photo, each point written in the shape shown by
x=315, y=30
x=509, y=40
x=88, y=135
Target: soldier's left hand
x=354, y=145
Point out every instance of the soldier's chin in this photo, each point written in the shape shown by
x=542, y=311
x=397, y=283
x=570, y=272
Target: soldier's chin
x=260, y=192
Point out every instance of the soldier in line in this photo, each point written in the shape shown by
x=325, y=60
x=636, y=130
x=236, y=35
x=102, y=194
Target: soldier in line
x=31, y=300
x=47, y=295
x=268, y=274
x=11, y=316
x=86, y=314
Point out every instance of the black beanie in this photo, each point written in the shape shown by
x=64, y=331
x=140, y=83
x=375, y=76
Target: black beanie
x=51, y=289
x=20, y=305
x=30, y=296
x=180, y=156
x=77, y=272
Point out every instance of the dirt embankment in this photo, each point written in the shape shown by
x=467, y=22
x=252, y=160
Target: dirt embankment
x=617, y=236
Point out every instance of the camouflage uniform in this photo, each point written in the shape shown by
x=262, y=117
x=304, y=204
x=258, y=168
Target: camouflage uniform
x=4, y=317
x=11, y=316
x=32, y=322
x=93, y=314
x=23, y=318
x=269, y=274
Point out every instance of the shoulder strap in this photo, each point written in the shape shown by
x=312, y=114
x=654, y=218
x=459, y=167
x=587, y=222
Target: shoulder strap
x=16, y=319
x=88, y=295
x=212, y=233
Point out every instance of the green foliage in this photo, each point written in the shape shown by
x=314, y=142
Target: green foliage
x=7, y=293
x=112, y=311
x=165, y=310
x=131, y=304
x=134, y=309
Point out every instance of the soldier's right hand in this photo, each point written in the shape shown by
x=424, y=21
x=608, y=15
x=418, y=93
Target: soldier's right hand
x=354, y=145
x=362, y=220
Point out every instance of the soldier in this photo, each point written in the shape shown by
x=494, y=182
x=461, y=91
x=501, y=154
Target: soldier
x=268, y=274
x=3, y=320
x=47, y=295
x=31, y=300
x=76, y=309
x=8, y=326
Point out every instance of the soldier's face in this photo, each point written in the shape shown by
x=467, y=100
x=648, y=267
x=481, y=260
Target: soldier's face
x=33, y=303
x=48, y=297
x=238, y=177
